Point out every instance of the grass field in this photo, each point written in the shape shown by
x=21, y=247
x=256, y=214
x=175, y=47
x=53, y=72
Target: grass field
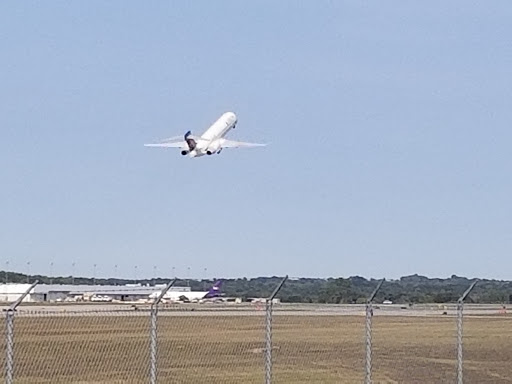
x=229, y=349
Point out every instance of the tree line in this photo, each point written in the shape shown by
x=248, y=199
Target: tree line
x=355, y=289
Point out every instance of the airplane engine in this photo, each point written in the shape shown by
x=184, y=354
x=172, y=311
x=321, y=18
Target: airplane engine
x=184, y=152
x=213, y=148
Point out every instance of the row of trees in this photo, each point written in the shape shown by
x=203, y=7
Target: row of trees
x=408, y=289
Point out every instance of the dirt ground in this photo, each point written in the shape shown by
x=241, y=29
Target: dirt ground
x=112, y=348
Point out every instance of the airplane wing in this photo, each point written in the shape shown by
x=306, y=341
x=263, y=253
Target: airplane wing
x=178, y=144
x=174, y=138
x=180, y=138
x=174, y=142
x=238, y=144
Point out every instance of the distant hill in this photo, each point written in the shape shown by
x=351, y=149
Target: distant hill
x=355, y=289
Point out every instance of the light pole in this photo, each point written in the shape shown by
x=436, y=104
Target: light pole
x=73, y=273
x=94, y=275
x=51, y=273
x=28, y=272
x=6, y=269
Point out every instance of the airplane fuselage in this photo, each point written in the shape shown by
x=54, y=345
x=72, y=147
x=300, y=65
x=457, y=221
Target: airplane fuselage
x=209, y=142
x=212, y=141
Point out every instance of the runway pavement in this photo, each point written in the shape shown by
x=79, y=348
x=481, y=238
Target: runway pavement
x=246, y=309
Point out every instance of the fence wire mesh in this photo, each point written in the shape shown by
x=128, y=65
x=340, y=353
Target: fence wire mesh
x=225, y=343
x=318, y=344
x=487, y=347
x=211, y=345
x=413, y=348
x=85, y=346
x=3, y=346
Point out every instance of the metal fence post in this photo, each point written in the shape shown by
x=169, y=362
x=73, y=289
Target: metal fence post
x=9, y=359
x=268, y=331
x=369, y=315
x=268, y=341
x=153, y=334
x=9, y=342
x=460, y=308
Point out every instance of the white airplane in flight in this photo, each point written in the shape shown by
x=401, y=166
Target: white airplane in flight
x=210, y=142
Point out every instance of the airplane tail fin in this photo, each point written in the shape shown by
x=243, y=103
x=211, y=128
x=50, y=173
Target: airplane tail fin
x=215, y=289
x=190, y=142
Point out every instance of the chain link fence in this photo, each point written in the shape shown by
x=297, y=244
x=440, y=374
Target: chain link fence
x=319, y=348
x=208, y=346
x=270, y=342
x=487, y=351
x=414, y=349
x=84, y=346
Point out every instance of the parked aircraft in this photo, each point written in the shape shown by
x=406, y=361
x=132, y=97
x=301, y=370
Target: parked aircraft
x=212, y=141
x=191, y=296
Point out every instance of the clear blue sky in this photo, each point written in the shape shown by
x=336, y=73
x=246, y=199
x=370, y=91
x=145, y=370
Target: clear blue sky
x=389, y=127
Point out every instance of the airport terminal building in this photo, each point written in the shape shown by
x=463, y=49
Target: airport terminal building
x=77, y=293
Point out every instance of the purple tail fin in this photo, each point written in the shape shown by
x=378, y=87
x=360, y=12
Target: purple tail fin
x=214, y=291
x=190, y=142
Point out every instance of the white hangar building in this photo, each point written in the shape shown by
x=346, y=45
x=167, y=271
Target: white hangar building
x=59, y=292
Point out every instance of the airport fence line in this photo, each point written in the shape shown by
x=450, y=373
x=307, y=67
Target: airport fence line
x=460, y=309
x=153, y=342
x=260, y=343
x=368, y=334
x=433, y=353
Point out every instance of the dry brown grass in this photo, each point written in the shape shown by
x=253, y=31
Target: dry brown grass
x=228, y=349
